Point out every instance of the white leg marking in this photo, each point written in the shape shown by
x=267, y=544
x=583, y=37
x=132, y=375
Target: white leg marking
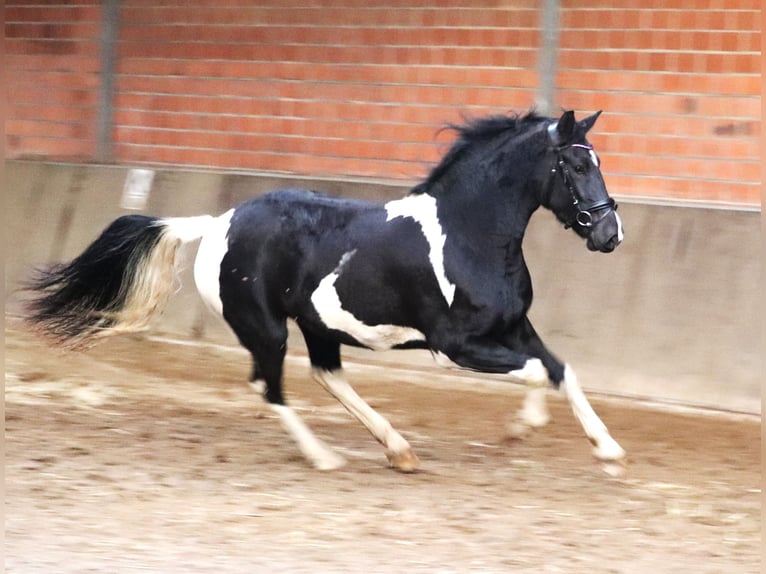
x=535, y=413
x=207, y=265
x=422, y=208
x=379, y=337
x=315, y=451
x=258, y=385
x=399, y=451
x=605, y=447
x=533, y=373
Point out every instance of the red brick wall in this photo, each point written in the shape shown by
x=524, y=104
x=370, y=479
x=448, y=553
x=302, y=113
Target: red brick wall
x=353, y=91
x=361, y=91
x=53, y=58
x=680, y=85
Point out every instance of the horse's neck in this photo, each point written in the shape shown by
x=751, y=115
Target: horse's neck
x=484, y=222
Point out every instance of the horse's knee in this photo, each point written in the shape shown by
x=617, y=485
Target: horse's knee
x=533, y=373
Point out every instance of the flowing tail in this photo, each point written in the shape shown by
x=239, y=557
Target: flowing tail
x=117, y=285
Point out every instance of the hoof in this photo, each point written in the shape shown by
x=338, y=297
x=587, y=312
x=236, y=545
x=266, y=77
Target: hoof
x=534, y=418
x=516, y=430
x=329, y=461
x=404, y=461
x=615, y=469
x=607, y=450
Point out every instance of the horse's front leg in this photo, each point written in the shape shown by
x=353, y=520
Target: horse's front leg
x=488, y=355
x=534, y=413
x=524, y=358
x=604, y=446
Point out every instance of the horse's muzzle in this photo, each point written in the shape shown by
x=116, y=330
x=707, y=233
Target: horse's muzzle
x=606, y=234
x=607, y=247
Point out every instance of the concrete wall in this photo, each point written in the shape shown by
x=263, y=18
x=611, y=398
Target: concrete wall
x=672, y=314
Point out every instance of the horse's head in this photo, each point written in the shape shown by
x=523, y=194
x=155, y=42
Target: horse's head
x=575, y=190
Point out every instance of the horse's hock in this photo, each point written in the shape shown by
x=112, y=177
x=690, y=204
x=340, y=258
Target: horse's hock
x=668, y=316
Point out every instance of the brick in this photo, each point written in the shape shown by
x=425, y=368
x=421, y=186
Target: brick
x=279, y=86
x=52, y=129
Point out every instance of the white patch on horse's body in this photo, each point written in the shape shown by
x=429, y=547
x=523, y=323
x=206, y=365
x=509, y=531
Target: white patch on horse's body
x=207, y=265
x=330, y=309
x=422, y=208
x=398, y=450
x=187, y=228
x=605, y=447
x=318, y=453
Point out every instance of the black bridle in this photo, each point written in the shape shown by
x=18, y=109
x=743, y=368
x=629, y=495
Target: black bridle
x=585, y=211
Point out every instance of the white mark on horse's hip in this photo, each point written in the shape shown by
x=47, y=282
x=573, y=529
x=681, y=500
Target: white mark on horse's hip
x=207, y=265
x=422, y=208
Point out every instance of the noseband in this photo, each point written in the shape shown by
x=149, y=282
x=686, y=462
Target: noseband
x=585, y=211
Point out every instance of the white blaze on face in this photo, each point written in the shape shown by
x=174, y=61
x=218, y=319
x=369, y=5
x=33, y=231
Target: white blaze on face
x=422, y=208
x=620, y=232
x=378, y=337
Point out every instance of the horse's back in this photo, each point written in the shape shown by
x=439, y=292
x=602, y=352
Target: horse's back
x=290, y=222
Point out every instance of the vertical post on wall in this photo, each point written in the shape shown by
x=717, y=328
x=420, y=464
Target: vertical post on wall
x=105, y=117
x=548, y=63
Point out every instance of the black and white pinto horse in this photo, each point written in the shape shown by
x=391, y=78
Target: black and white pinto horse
x=440, y=269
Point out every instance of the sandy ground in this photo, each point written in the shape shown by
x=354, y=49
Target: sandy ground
x=147, y=456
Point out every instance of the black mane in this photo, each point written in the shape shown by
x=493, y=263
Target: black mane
x=475, y=131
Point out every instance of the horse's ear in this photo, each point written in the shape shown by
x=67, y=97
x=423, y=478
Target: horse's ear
x=564, y=129
x=588, y=122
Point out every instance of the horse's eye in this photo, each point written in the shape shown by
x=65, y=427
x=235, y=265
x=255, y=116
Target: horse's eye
x=579, y=168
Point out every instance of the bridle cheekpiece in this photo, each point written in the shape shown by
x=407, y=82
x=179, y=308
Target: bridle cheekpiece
x=584, y=216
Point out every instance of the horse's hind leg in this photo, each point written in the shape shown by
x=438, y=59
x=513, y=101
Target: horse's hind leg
x=327, y=371
x=267, y=342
